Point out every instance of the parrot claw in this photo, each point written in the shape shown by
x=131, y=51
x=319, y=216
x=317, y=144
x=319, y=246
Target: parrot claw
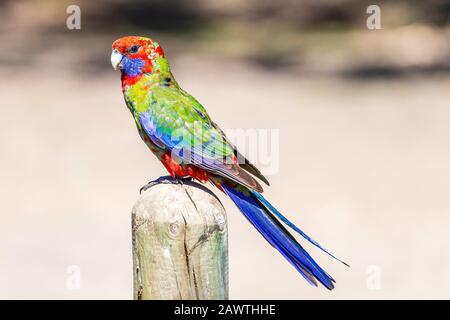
x=165, y=180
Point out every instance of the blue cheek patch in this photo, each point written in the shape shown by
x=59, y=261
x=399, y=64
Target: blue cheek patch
x=132, y=67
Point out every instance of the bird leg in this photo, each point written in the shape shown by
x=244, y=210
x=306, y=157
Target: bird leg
x=165, y=180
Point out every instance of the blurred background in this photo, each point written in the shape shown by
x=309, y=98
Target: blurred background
x=363, y=117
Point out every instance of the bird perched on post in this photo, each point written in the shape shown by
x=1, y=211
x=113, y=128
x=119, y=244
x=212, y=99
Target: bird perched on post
x=179, y=131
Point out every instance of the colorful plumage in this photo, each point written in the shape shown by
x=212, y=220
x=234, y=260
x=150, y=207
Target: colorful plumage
x=179, y=131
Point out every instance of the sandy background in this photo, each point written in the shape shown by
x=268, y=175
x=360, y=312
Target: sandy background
x=364, y=154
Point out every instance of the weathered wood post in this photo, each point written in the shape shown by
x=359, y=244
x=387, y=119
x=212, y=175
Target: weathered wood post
x=180, y=243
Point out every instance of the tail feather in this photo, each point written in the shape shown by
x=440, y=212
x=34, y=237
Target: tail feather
x=293, y=226
x=277, y=235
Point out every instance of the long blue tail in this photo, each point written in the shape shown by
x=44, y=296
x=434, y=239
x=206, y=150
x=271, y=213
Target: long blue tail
x=261, y=214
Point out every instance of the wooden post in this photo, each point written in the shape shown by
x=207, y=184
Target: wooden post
x=180, y=243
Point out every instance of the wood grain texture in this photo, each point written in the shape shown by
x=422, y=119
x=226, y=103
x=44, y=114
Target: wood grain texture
x=180, y=244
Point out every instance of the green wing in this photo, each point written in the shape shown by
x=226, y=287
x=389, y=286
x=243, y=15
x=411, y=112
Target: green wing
x=180, y=124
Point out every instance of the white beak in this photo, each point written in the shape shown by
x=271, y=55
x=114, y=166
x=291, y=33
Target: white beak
x=116, y=59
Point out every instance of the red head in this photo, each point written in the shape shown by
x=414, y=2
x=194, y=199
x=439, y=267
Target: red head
x=135, y=55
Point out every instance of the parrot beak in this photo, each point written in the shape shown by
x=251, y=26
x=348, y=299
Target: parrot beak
x=116, y=59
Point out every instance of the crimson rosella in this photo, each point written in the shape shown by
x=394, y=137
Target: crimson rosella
x=179, y=131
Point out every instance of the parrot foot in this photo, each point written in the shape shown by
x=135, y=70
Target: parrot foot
x=165, y=180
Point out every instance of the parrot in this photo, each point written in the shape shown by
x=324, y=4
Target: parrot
x=182, y=135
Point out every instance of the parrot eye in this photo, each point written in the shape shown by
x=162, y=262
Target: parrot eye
x=133, y=49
